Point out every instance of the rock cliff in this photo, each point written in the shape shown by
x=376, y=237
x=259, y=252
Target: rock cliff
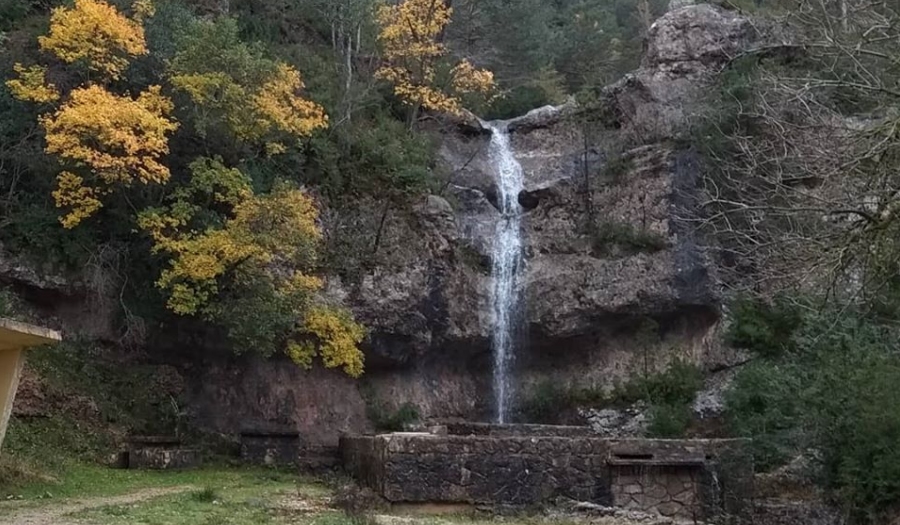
x=613, y=279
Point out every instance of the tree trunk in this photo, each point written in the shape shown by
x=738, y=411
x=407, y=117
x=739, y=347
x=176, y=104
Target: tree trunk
x=378, y=234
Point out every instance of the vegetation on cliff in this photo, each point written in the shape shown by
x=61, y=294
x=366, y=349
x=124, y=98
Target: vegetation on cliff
x=187, y=148
x=197, y=152
x=800, y=203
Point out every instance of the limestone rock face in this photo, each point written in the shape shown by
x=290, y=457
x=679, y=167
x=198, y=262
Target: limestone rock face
x=613, y=281
x=605, y=250
x=685, y=49
x=691, y=39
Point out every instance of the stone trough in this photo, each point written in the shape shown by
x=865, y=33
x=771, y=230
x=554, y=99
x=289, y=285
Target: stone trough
x=158, y=453
x=524, y=465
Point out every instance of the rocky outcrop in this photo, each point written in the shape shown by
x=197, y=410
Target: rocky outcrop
x=606, y=256
x=685, y=49
x=612, y=278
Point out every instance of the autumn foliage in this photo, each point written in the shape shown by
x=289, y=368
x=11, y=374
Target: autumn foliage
x=119, y=140
x=214, y=231
x=269, y=238
x=106, y=140
x=32, y=85
x=95, y=33
x=254, y=98
x=409, y=37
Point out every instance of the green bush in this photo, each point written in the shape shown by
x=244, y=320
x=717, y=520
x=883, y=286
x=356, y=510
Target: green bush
x=764, y=403
x=516, y=102
x=669, y=421
x=836, y=394
x=545, y=402
x=677, y=384
x=393, y=421
x=206, y=495
x=610, y=237
x=673, y=389
x=761, y=327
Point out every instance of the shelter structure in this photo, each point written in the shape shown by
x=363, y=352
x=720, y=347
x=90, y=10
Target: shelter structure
x=15, y=338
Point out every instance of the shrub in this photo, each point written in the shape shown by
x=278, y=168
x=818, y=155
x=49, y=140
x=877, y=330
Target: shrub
x=205, y=495
x=761, y=327
x=835, y=394
x=669, y=421
x=393, y=421
x=610, y=237
x=616, y=168
x=678, y=384
x=545, y=402
x=357, y=503
x=763, y=402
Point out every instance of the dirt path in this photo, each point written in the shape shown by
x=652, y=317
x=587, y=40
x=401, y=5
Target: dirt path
x=56, y=514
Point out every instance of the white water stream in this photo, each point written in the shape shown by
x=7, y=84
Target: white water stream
x=506, y=261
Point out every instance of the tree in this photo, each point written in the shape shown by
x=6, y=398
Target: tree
x=95, y=33
x=265, y=242
x=410, y=38
x=118, y=140
x=236, y=90
x=347, y=19
x=111, y=140
x=32, y=86
x=803, y=152
x=241, y=259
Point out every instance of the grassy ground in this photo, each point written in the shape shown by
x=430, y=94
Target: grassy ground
x=93, y=495
x=50, y=474
x=81, y=480
x=244, y=497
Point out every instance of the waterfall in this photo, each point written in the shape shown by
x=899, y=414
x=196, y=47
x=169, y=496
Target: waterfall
x=506, y=259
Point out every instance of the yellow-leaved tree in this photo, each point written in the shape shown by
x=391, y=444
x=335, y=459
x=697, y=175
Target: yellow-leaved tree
x=119, y=140
x=105, y=140
x=234, y=87
x=267, y=243
x=96, y=34
x=241, y=259
x=32, y=85
x=413, y=55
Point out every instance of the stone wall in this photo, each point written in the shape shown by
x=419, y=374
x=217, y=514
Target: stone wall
x=159, y=453
x=270, y=448
x=664, y=476
x=425, y=468
x=670, y=490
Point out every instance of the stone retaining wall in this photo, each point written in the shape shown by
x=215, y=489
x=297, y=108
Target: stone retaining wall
x=664, y=476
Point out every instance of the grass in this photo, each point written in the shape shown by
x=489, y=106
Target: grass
x=217, y=495
x=230, y=498
x=87, y=480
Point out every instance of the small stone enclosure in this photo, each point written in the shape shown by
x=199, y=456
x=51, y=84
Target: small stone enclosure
x=270, y=447
x=158, y=453
x=532, y=464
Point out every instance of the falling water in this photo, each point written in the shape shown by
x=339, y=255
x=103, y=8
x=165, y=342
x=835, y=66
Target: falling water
x=506, y=259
